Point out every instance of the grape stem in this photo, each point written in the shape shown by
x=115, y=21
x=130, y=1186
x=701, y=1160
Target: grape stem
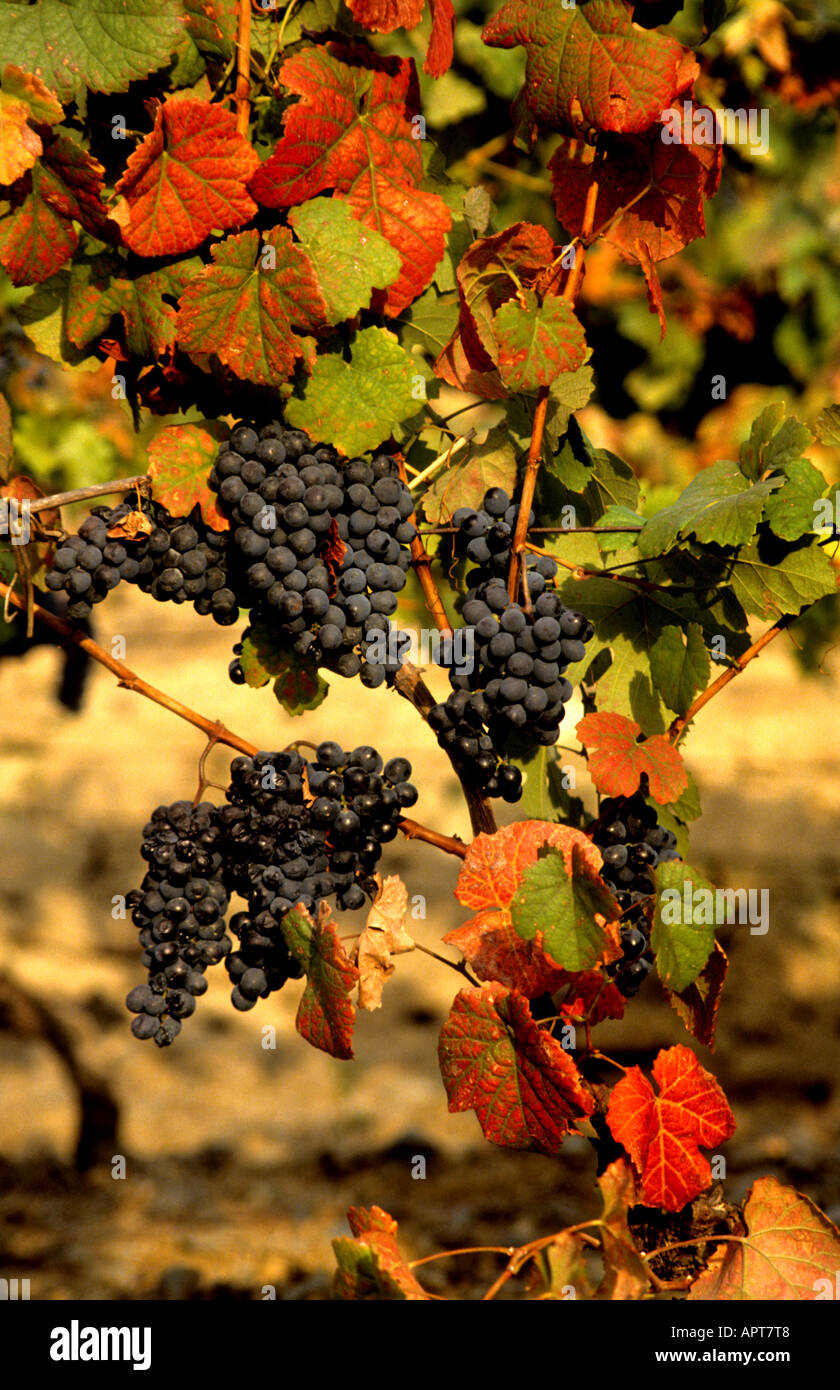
x=81, y=494
x=423, y=568
x=216, y=731
x=243, y=67
x=680, y=724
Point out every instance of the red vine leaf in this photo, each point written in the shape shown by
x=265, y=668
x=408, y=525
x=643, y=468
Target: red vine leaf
x=591, y=996
x=665, y=218
x=625, y=1275
x=384, y=16
x=489, y=878
x=617, y=761
x=20, y=145
x=187, y=178
x=522, y=1084
x=180, y=459
x=371, y=1266
x=325, y=1015
x=490, y=274
x=242, y=309
x=698, y=1005
x=537, y=342
x=100, y=288
x=351, y=133
x=791, y=1252
x=64, y=187
x=663, y=1133
x=592, y=62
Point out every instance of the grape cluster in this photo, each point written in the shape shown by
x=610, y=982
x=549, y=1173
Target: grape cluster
x=297, y=832
x=319, y=548
x=180, y=910
x=181, y=558
x=632, y=843
x=517, y=681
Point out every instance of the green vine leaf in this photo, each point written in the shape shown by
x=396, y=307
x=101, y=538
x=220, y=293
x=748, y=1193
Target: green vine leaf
x=357, y=404
x=350, y=260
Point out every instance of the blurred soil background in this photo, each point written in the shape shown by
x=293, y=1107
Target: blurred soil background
x=241, y=1161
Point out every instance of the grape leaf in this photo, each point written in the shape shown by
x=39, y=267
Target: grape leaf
x=429, y=322
x=665, y=218
x=828, y=427
x=244, y=306
x=102, y=45
x=490, y=273
x=20, y=145
x=791, y=1252
x=663, y=1133
x=101, y=287
x=560, y=910
x=356, y=404
x=790, y=511
x=681, y=947
x=463, y=484
x=64, y=186
x=562, y=1268
x=186, y=179
x=592, y=58
x=21, y=86
x=371, y=1266
x=180, y=458
x=351, y=134
x=42, y=315
x=774, y=441
x=382, y=937
x=349, y=260
x=625, y=1273
x=325, y=1015
x=488, y=881
x=298, y=685
x=211, y=24
x=718, y=505
x=537, y=342
x=698, y=1004
x=617, y=761
x=524, y=1087
x=679, y=668
x=769, y=584
x=384, y=16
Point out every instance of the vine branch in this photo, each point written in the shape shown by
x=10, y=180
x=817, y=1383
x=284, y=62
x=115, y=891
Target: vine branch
x=243, y=68
x=81, y=494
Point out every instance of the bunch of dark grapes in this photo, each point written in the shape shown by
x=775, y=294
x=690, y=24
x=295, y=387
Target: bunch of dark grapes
x=632, y=843
x=319, y=547
x=180, y=910
x=180, y=559
x=517, y=681
x=299, y=832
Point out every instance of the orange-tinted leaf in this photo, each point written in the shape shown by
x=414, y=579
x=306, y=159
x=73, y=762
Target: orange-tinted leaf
x=488, y=880
x=64, y=186
x=43, y=106
x=791, y=1252
x=665, y=218
x=180, y=459
x=591, y=58
x=333, y=555
x=663, y=1133
x=698, y=1005
x=625, y=1275
x=522, y=1084
x=100, y=288
x=537, y=342
x=20, y=145
x=489, y=274
x=384, y=16
x=187, y=178
x=74, y=187
x=325, y=1015
x=590, y=991
x=243, y=307
x=351, y=133
x=370, y=1266
x=617, y=761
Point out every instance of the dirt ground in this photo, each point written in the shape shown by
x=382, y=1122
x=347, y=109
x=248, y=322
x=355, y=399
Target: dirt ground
x=240, y=1161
